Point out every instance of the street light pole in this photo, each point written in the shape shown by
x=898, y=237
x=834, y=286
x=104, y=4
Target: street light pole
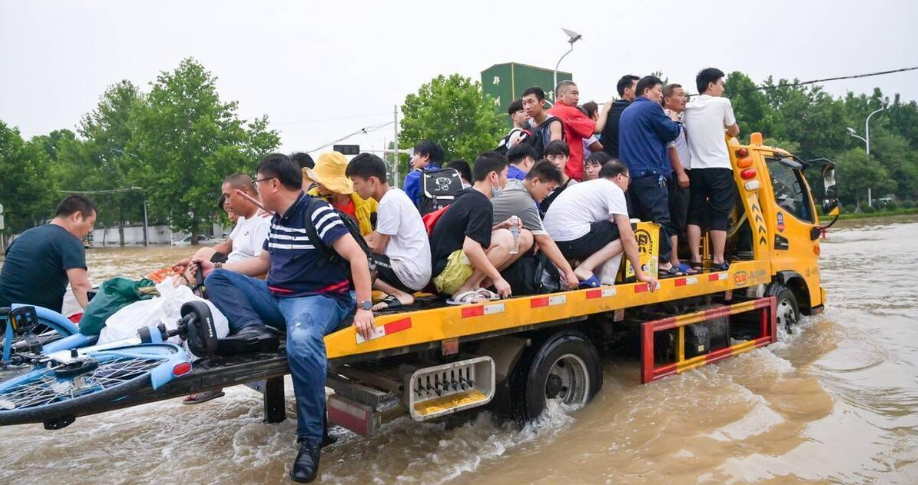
x=853, y=132
x=572, y=37
x=867, y=128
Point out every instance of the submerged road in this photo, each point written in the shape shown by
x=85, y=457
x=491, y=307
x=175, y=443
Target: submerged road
x=836, y=402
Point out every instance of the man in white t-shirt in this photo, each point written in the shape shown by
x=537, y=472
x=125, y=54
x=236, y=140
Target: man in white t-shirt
x=400, y=245
x=589, y=222
x=707, y=118
x=250, y=232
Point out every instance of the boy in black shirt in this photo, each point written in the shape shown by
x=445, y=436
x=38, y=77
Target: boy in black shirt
x=468, y=250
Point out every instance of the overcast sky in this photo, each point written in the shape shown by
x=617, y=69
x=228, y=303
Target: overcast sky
x=321, y=70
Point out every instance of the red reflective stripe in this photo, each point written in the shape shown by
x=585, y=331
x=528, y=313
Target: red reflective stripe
x=641, y=288
x=538, y=302
x=397, y=326
x=591, y=294
x=713, y=277
x=474, y=311
x=681, y=282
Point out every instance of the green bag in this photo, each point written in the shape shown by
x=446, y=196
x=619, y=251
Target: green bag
x=113, y=295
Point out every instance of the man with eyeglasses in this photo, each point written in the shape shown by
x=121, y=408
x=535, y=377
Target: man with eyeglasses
x=304, y=293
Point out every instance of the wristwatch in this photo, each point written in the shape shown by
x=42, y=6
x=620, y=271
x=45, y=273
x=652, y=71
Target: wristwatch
x=366, y=305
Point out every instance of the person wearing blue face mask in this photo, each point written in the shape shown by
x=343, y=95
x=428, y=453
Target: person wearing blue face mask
x=468, y=250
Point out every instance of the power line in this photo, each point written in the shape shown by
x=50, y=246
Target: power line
x=365, y=131
x=839, y=78
x=318, y=120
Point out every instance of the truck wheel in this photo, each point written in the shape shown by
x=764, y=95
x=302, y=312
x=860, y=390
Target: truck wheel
x=788, y=312
x=565, y=367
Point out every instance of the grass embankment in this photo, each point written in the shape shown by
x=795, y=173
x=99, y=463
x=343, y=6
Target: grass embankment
x=871, y=215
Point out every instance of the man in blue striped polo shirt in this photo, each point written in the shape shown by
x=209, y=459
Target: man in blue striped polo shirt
x=303, y=294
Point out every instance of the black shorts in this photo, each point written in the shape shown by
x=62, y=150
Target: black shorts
x=600, y=235
x=678, y=206
x=711, y=197
x=385, y=273
x=219, y=257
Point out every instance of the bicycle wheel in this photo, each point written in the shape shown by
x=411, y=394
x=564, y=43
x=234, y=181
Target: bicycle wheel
x=48, y=393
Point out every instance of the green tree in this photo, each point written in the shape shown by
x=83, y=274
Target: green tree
x=750, y=105
x=453, y=111
x=857, y=173
x=27, y=191
x=187, y=140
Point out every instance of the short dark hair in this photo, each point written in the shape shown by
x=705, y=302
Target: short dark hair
x=279, y=166
x=612, y=168
x=430, y=149
x=646, y=82
x=590, y=108
x=303, y=160
x=599, y=158
x=519, y=152
x=463, y=167
x=367, y=165
x=239, y=181
x=707, y=76
x=669, y=89
x=489, y=162
x=625, y=82
x=562, y=84
x=75, y=203
x=516, y=105
x=537, y=91
x=557, y=147
x=545, y=171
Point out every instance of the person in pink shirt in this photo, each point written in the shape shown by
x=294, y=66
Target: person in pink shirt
x=577, y=125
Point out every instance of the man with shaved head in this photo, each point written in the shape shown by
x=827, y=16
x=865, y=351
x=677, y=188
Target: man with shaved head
x=577, y=125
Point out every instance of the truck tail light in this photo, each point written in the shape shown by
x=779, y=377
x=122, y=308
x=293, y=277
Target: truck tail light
x=742, y=153
x=744, y=163
x=748, y=173
x=752, y=185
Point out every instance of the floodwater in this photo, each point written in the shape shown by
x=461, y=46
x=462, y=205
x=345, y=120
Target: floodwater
x=837, y=402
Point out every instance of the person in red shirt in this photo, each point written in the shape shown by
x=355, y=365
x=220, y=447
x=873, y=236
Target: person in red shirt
x=577, y=125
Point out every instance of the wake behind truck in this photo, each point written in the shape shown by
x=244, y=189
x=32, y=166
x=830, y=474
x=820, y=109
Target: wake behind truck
x=512, y=355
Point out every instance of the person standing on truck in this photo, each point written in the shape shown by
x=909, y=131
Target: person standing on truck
x=609, y=134
x=681, y=162
x=590, y=223
x=468, y=249
x=43, y=260
x=303, y=293
x=545, y=128
x=644, y=131
x=577, y=125
x=428, y=155
x=711, y=187
x=521, y=158
x=521, y=199
x=400, y=246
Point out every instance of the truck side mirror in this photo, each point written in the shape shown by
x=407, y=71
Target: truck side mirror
x=830, y=200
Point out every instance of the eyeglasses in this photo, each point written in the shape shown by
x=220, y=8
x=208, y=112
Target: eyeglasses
x=266, y=178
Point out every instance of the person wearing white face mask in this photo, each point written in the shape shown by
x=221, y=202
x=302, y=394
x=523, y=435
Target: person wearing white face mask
x=468, y=250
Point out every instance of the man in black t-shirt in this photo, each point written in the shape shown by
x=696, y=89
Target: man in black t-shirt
x=43, y=260
x=609, y=138
x=468, y=250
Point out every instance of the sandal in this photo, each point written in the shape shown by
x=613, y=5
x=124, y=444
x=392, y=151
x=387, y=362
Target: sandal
x=391, y=303
x=715, y=267
x=686, y=269
x=591, y=282
x=670, y=273
x=697, y=266
x=466, y=298
x=486, y=293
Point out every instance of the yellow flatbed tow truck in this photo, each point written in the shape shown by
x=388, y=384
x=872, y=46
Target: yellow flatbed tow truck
x=517, y=353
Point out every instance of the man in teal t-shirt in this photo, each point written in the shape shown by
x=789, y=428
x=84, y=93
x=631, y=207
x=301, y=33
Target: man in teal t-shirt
x=43, y=260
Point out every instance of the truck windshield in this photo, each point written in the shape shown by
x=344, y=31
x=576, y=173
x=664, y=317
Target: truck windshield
x=790, y=190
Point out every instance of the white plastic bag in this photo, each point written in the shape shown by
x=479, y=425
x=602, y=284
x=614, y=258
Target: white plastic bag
x=165, y=309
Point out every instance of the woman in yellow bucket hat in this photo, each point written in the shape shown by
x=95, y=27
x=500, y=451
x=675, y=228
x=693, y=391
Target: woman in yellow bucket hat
x=333, y=185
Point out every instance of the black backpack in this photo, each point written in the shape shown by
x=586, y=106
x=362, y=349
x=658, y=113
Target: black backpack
x=502, y=147
x=438, y=189
x=331, y=256
x=541, y=136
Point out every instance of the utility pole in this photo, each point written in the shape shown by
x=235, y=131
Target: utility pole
x=395, y=145
x=853, y=132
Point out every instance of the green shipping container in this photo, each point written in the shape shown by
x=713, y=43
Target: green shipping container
x=506, y=82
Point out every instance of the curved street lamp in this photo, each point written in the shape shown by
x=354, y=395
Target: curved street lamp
x=572, y=37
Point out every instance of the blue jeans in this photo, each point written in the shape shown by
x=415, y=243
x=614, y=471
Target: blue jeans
x=307, y=320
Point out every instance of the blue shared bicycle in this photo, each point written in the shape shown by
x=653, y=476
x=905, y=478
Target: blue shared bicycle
x=49, y=370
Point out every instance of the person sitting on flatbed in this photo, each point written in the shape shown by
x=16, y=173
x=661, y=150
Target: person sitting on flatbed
x=400, y=246
x=333, y=185
x=468, y=250
x=301, y=294
x=589, y=222
x=43, y=260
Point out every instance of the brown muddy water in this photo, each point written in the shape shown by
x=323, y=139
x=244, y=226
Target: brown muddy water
x=837, y=402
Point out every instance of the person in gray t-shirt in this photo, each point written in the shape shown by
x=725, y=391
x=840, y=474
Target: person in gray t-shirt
x=521, y=199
